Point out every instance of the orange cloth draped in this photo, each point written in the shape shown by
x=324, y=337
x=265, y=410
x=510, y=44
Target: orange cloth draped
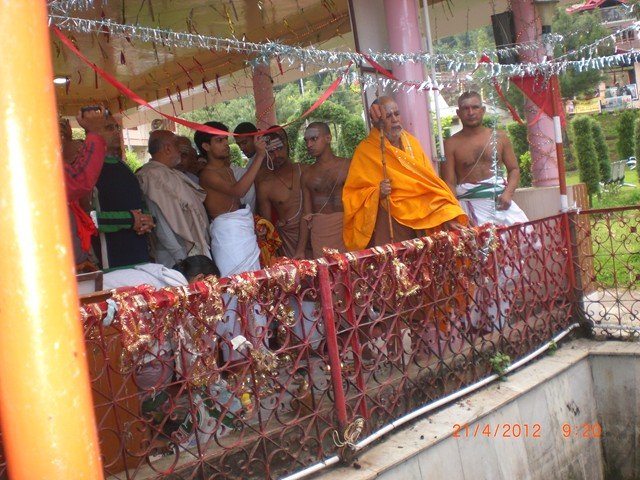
x=268, y=240
x=419, y=198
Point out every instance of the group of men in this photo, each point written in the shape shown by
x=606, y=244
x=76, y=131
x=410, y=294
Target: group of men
x=198, y=203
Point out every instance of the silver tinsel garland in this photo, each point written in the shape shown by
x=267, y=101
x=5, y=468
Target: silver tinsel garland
x=455, y=63
x=65, y=6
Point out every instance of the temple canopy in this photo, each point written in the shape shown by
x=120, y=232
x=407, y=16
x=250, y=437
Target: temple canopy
x=145, y=44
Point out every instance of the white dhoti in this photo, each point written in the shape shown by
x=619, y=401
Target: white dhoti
x=234, y=245
x=492, y=301
x=478, y=202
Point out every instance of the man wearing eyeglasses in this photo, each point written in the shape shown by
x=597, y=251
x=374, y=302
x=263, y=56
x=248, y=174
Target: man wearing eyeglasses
x=399, y=199
x=119, y=203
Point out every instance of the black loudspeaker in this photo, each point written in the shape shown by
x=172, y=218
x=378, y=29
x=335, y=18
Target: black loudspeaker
x=504, y=34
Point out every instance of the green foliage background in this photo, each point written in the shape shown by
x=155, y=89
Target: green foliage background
x=602, y=151
x=524, y=162
x=585, y=152
x=519, y=138
x=578, y=30
x=625, y=132
x=636, y=135
x=342, y=111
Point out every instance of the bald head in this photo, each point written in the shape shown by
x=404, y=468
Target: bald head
x=163, y=147
x=317, y=138
x=321, y=127
x=386, y=109
x=188, y=156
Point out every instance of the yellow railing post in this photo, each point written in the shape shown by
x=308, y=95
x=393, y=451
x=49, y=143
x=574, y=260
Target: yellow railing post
x=48, y=425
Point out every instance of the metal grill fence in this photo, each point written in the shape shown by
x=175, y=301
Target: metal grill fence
x=264, y=373
x=608, y=269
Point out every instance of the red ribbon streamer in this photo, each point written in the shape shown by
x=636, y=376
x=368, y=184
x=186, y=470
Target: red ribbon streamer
x=379, y=68
x=279, y=65
x=383, y=71
x=192, y=125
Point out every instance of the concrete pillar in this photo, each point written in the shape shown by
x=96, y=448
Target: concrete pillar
x=544, y=163
x=402, y=20
x=263, y=94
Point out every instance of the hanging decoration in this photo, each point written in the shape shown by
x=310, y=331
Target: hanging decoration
x=193, y=125
x=457, y=62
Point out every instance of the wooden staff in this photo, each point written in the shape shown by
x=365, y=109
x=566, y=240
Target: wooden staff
x=385, y=177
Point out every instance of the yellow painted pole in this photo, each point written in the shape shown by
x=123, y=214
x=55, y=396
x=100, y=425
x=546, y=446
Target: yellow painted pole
x=48, y=425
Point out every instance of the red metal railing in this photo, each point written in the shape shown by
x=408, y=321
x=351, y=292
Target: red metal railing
x=608, y=269
x=334, y=350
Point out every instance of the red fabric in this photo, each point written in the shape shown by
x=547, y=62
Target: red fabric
x=84, y=225
x=379, y=68
x=537, y=89
x=81, y=176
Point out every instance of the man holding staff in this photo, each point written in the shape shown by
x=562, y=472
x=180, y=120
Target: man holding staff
x=392, y=193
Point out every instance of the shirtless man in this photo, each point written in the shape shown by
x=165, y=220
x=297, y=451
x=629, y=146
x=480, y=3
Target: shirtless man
x=233, y=240
x=247, y=144
x=469, y=168
x=234, y=245
x=470, y=172
x=322, y=183
x=280, y=189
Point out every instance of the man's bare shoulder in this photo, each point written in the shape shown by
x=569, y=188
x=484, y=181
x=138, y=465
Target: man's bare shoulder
x=454, y=140
x=503, y=135
x=303, y=166
x=265, y=180
x=215, y=176
x=209, y=171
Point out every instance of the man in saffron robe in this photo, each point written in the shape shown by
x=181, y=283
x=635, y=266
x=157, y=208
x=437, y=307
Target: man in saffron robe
x=416, y=197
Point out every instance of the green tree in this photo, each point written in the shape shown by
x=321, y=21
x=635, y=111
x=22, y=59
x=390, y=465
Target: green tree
x=585, y=152
x=578, y=30
x=132, y=160
x=602, y=151
x=445, y=123
x=625, y=131
x=231, y=113
x=524, y=162
x=289, y=103
x=235, y=155
x=519, y=138
x=570, y=162
x=353, y=132
x=479, y=40
x=329, y=112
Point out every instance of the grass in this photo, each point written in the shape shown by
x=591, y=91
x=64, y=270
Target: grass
x=615, y=196
x=616, y=251
x=617, y=246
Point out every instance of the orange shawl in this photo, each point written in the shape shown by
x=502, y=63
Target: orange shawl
x=419, y=198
